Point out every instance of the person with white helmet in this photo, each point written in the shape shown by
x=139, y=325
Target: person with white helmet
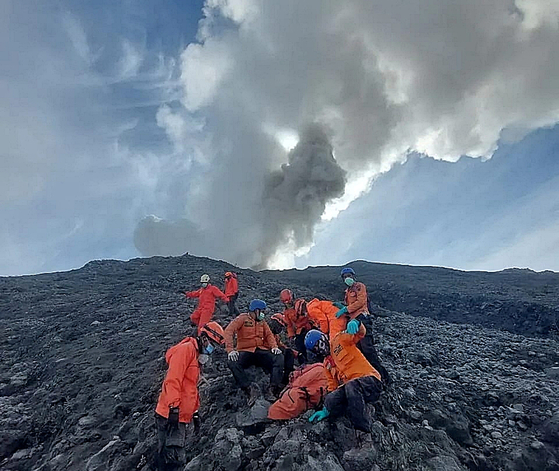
x=255, y=345
x=206, y=295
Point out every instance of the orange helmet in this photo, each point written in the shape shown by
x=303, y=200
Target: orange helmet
x=214, y=332
x=279, y=317
x=228, y=274
x=299, y=304
x=286, y=296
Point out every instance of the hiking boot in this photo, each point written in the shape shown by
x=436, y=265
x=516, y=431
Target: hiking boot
x=252, y=392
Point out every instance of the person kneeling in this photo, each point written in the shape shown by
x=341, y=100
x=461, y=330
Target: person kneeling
x=352, y=380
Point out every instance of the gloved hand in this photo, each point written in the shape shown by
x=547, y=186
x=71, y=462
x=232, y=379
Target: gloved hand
x=196, y=421
x=233, y=355
x=276, y=351
x=341, y=312
x=352, y=327
x=173, y=418
x=339, y=305
x=320, y=415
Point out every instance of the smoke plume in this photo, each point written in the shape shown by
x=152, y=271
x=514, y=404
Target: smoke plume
x=441, y=78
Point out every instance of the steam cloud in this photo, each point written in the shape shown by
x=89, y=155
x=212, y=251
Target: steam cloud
x=386, y=78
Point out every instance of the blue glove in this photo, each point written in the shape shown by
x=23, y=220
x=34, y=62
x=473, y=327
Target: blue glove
x=320, y=415
x=339, y=305
x=341, y=312
x=352, y=327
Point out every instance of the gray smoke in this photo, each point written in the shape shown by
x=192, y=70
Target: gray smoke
x=292, y=201
x=296, y=195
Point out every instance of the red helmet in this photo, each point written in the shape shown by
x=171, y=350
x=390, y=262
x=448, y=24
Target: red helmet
x=214, y=332
x=286, y=296
x=228, y=274
x=280, y=318
x=299, y=304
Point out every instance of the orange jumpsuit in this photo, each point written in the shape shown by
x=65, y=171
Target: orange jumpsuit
x=180, y=387
x=307, y=386
x=206, y=304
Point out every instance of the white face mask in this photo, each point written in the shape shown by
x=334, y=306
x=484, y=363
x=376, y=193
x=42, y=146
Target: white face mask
x=204, y=285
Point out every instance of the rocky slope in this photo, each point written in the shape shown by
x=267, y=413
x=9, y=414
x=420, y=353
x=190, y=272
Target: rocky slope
x=81, y=363
x=518, y=300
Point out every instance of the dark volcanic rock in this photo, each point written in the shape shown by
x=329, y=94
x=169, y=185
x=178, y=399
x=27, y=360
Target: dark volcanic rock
x=82, y=360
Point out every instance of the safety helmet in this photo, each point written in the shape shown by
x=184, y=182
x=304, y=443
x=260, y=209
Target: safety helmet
x=205, y=278
x=256, y=304
x=214, y=332
x=286, y=296
x=312, y=338
x=347, y=271
x=299, y=303
x=228, y=274
x=280, y=318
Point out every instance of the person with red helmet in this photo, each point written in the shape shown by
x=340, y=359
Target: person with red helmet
x=179, y=399
x=297, y=325
x=232, y=292
x=206, y=295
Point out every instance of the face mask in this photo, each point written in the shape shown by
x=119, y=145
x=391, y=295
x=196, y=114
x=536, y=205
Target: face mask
x=209, y=349
x=260, y=316
x=204, y=285
x=349, y=281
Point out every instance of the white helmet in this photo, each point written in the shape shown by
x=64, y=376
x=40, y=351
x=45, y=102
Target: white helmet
x=205, y=278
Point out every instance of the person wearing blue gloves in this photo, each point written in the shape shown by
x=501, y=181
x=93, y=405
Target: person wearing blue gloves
x=356, y=308
x=352, y=381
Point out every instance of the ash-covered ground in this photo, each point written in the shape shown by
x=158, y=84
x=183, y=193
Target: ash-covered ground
x=82, y=360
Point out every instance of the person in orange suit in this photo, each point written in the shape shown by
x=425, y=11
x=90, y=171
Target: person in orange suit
x=232, y=292
x=206, y=295
x=356, y=307
x=352, y=381
x=306, y=389
x=297, y=326
x=255, y=345
x=179, y=399
x=322, y=315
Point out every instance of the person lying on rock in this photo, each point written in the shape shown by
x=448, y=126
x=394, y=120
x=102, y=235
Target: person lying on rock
x=255, y=345
x=277, y=326
x=297, y=325
x=352, y=381
x=306, y=389
x=179, y=399
x=356, y=307
x=207, y=295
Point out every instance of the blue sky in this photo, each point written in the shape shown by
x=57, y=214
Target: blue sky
x=159, y=127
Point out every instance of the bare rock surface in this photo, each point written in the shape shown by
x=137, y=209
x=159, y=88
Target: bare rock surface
x=82, y=360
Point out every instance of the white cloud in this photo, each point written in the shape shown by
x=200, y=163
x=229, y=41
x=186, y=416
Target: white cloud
x=388, y=78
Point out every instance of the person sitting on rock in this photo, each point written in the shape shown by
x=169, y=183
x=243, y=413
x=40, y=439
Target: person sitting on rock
x=297, y=325
x=356, y=307
x=256, y=345
x=277, y=326
x=179, y=399
x=232, y=292
x=306, y=389
x=352, y=381
x=207, y=295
